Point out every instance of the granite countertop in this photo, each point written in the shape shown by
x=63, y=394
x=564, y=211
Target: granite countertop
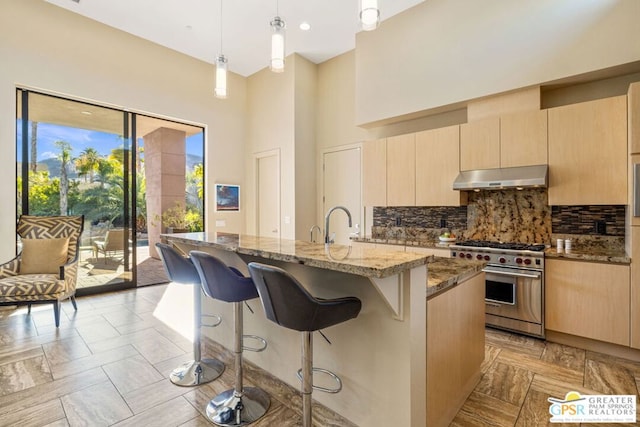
x=590, y=254
x=367, y=262
x=436, y=244
x=446, y=272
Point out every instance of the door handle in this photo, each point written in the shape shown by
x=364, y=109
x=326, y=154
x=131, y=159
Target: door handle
x=275, y=230
x=512, y=273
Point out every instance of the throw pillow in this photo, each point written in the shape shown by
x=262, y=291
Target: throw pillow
x=43, y=256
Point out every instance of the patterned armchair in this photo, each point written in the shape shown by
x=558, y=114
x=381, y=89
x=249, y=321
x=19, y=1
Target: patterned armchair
x=33, y=277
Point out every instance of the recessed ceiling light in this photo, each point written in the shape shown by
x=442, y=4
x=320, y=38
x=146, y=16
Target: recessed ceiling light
x=86, y=113
x=305, y=26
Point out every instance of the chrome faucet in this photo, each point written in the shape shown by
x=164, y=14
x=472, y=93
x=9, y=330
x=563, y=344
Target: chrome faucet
x=327, y=238
x=311, y=232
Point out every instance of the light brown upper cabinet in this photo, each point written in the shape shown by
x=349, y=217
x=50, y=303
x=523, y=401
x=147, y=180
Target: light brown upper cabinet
x=480, y=144
x=523, y=139
x=634, y=118
x=401, y=170
x=437, y=165
x=374, y=173
x=518, y=139
x=588, y=153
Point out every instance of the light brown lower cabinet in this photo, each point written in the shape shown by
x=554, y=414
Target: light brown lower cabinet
x=588, y=299
x=635, y=287
x=455, y=348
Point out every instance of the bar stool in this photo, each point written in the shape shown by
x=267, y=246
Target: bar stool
x=241, y=405
x=181, y=270
x=287, y=303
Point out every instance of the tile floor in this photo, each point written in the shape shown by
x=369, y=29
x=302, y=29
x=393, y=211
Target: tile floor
x=83, y=373
x=94, y=272
x=521, y=373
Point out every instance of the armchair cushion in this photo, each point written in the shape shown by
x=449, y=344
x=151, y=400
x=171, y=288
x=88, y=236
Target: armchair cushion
x=44, y=256
x=29, y=287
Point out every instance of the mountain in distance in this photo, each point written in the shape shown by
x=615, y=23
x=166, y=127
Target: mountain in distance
x=53, y=166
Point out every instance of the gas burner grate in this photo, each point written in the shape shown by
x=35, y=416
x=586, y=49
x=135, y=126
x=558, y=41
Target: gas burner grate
x=502, y=245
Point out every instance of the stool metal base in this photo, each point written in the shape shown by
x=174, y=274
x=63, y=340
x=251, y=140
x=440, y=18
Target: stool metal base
x=254, y=403
x=193, y=373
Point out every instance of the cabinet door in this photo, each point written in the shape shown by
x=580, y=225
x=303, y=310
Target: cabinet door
x=480, y=144
x=588, y=300
x=437, y=166
x=374, y=173
x=455, y=343
x=634, y=118
x=635, y=287
x=588, y=153
x=523, y=139
x=401, y=170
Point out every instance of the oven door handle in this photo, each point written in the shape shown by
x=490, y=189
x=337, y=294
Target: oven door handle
x=511, y=273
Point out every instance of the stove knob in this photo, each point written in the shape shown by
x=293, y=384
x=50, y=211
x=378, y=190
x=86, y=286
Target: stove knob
x=487, y=258
x=461, y=255
x=479, y=257
x=502, y=260
x=468, y=256
x=527, y=261
x=518, y=260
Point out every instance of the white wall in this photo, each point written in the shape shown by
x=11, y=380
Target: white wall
x=443, y=52
x=306, y=101
x=281, y=115
x=46, y=47
x=270, y=126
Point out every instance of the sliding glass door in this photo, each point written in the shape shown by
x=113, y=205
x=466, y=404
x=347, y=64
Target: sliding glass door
x=132, y=176
x=74, y=158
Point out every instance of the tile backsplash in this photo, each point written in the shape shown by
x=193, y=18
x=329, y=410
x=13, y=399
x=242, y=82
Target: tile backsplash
x=589, y=220
x=420, y=217
x=506, y=215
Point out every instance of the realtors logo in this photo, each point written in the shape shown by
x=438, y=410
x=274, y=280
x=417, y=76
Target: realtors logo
x=575, y=408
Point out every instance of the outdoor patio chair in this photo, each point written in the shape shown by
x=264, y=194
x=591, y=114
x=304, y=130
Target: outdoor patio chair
x=46, y=269
x=113, y=243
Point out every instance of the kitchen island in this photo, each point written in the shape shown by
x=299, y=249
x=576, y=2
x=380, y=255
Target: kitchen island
x=381, y=355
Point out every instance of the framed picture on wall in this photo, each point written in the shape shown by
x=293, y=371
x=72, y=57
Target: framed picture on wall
x=227, y=197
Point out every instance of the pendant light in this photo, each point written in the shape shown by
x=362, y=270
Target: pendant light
x=369, y=14
x=221, y=68
x=221, y=77
x=277, y=43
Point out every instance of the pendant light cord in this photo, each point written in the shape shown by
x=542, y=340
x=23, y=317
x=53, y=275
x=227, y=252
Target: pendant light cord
x=220, y=27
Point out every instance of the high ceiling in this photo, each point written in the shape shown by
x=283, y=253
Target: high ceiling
x=193, y=26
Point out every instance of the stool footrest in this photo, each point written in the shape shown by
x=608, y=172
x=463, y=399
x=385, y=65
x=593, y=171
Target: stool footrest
x=327, y=372
x=217, y=321
x=255, y=349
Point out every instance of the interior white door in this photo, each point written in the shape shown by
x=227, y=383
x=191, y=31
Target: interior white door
x=268, y=195
x=342, y=187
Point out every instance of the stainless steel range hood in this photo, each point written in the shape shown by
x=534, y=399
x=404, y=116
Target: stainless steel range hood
x=503, y=178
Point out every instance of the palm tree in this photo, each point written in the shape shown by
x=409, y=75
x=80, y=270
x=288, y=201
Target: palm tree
x=87, y=163
x=65, y=159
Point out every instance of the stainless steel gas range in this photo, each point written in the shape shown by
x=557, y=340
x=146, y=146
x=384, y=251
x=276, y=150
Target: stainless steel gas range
x=514, y=291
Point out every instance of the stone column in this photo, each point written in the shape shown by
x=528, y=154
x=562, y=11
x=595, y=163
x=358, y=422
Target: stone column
x=165, y=168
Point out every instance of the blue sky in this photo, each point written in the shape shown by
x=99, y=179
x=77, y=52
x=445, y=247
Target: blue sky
x=80, y=139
